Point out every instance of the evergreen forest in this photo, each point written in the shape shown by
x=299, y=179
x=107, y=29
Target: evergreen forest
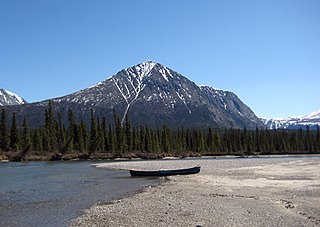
x=76, y=139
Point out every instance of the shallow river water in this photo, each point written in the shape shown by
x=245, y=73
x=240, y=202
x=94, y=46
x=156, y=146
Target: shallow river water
x=53, y=193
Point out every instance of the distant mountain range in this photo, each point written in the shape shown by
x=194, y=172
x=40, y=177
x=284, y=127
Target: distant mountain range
x=151, y=94
x=8, y=98
x=311, y=120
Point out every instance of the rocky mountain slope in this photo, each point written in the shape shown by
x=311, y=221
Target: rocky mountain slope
x=8, y=98
x=152, y=94
x=311, y=120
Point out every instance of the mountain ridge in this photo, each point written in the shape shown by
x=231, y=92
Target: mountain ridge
x=151, y=93
x=311, y=120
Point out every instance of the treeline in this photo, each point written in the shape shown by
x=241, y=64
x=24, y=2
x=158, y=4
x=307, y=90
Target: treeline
x=102, y=139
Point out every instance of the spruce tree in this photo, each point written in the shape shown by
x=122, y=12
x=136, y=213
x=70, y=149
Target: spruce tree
x=210, y=141
x=61, y=135
x=37, y=140
x=51, y=128
x=81, y=146
x=71, y=141
x=14, y=134
x=83, y=136
x=257, y=141
x=105, y=135
x=141, y=138
x=45, y=140
x=177, y=141
x=200, y=142
x=112, y=139
x=26, y=138
x=4, y=134
x=155, y=141
x=128, y=133
x=183, y=139
x=216, y=142
x=147, y=140
x=188, y=140
x=166, y=139
x=318, y=138
x=93, y=135
x=135, y=139
x=120, y=136
x=100, y=131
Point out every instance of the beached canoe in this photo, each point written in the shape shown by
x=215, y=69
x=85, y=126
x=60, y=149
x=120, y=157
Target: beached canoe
x=162, y=173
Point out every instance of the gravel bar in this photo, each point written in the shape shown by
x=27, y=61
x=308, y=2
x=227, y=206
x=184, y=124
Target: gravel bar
x=227, y=192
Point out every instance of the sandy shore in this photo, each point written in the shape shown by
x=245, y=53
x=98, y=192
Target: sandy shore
x=227, y=192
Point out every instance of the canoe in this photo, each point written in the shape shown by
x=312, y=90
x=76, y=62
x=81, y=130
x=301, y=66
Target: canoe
x=162, y=173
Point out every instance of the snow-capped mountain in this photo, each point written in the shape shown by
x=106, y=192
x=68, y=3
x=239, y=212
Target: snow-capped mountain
x=311, y=120
x=152, y=94
x=8, y=98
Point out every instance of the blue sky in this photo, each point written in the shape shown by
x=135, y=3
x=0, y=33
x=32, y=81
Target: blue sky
x=267, y=52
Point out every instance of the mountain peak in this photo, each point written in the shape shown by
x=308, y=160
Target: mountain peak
x=147, y=69
x=149, y=62
x=9, y=98
x=144, y=68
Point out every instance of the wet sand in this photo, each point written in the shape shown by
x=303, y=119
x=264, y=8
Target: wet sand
x=227, y=192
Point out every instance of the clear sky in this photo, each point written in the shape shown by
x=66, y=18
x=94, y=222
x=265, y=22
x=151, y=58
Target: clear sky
x=267, y=52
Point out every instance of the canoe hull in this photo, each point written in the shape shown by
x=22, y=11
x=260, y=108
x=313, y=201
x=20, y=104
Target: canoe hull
x=162, y=173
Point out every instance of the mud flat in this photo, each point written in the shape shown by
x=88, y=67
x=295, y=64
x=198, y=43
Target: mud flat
x=227, y=192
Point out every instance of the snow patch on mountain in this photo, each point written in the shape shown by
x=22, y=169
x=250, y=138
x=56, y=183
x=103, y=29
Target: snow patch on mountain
x=313, y=115
x=183, y=100
x=143, y=69
x=311, y=120
x=8, y=98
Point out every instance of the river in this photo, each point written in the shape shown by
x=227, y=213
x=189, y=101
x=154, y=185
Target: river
x=53, y=193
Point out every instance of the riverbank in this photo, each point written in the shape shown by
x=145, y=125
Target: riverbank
x=48, y=194
x=16, y=156
x=227, y=192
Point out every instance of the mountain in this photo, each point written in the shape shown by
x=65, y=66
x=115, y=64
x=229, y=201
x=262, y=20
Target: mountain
x=311, y=120
x=152, y=94
x=8, y=98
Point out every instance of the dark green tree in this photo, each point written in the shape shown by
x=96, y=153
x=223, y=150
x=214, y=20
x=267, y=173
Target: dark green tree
x=100, y=130
x=72, y=133
x=112, y=139
x=37, y=140
x=216, y=143
x=51, y=128
x=83, y=137
x=61, y=135
x=128, y=133
x=105, y=134
x=210, y=141
x=4, y=134
x=166, y=139
x=14, y=134
x=25, y=137
x=135, y=139
x=318, y=138
x=155, y=141
x=147, y=140
x=94, y=139
x=200, y=142
x=120, y=136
